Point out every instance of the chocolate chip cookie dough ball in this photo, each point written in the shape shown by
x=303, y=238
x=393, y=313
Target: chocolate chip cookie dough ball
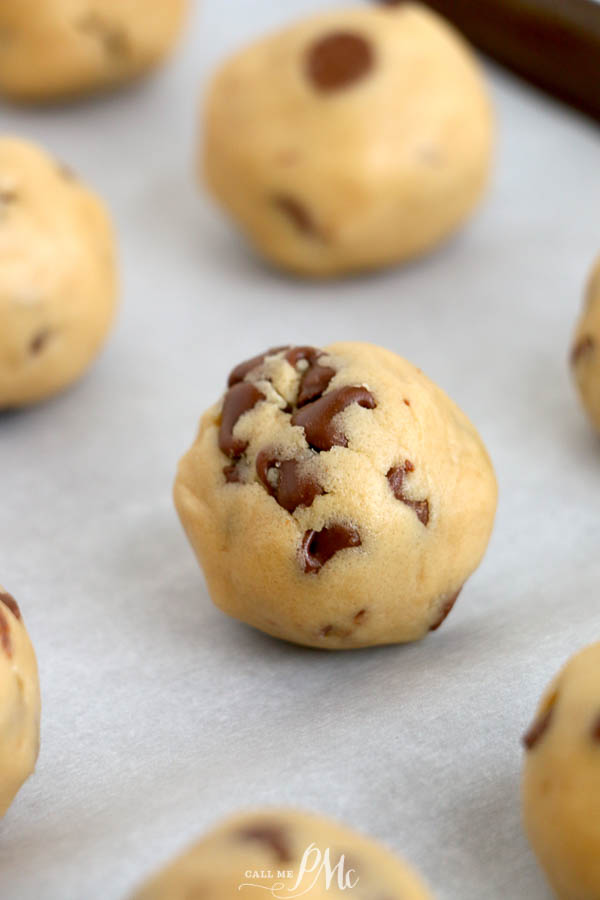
x=350, y=141
x=57, y=275
x=306, y=855
x=336, y=498
x=561, y=779
x=56, y=49
x=19, y=702
x=585, y=356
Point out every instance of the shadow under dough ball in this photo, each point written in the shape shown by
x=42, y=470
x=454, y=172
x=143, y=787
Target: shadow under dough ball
x=19, y=702
x=53, y=50
x=561, y=779
x=58, y=282
x=352, y=140
x=585, y=354
x=236, y=858
x=336, y=498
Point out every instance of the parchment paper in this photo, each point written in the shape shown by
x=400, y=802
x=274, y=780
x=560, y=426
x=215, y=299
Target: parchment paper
x=160, y=714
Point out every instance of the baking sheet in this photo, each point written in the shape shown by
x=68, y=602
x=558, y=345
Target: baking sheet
x=160, y=714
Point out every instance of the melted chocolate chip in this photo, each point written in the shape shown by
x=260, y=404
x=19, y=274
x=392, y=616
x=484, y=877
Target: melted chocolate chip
x=318, y=547
x=244, y=368
x=318, y=418
x=286, y=481
x=297, y=213
x=445, y=610
x=339, y=60
x=584, y=347
x=9, y=601
x=5, y=641
x=540, y=726
x=238, y=400
x=595, y=732
x=395, y=478
x=273, y=835
x=315, y=379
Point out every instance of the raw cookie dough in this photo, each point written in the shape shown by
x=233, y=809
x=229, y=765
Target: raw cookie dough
x=561, y=779
x=57, y=275
x=251, y=850
x=351, y=140
x=55, y=49
x=19, y=702
x=585, y=355
x=336, y=498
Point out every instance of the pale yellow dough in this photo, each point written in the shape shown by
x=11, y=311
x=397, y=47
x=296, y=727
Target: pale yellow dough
x=561, y=779
x=585, y=355
x=19, y=702
x=365, y=174
x=58, y=280
x=402, y=578
x=55, y=49
x=273, y=841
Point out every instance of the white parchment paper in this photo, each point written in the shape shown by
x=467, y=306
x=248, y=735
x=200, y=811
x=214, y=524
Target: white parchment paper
x=160, y=714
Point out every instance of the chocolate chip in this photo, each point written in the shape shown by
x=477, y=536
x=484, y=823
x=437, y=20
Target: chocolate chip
x=11, y=603
x=244, y=368
x=5, y=640
x=395, y=478
x=286, y=480
x=238, y=400
x=540, y=726
x=446, y=610
x=596, y=730
x=297, y=213
x=316, y=377
x=360, y=617
x=318, y=418
x=338, y=60
x=232, y=474
x=318, y=547
x=39, y=341
x=584, y=347
x=271, y=834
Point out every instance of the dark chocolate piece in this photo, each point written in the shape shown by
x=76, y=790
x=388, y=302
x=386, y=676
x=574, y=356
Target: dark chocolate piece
x=291, y=487
x=318, y=547
x=244, y=368
x=338, y=60
x=296, y=212
x=318, y=418
x=446, y=610
x=238, y=400
x=316, y=378
x=395, y=477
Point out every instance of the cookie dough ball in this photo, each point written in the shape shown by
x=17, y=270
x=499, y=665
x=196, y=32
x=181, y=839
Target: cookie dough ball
x=57, y=275
x=585, y=356
x=294, y=850
x=350, y=141
x=55, y=49
x=561, y=780
x=19, y=702
x=336, y=498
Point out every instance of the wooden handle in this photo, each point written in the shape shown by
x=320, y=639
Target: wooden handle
x=555, y=44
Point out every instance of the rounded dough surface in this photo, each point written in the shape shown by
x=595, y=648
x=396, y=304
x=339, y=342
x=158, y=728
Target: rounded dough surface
x=273, y=841
x=336, y=498
x=58, y=280
x=352, y=140
x=55, y=49
x=585, y=356
x=561, y=779
x=19, y=702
